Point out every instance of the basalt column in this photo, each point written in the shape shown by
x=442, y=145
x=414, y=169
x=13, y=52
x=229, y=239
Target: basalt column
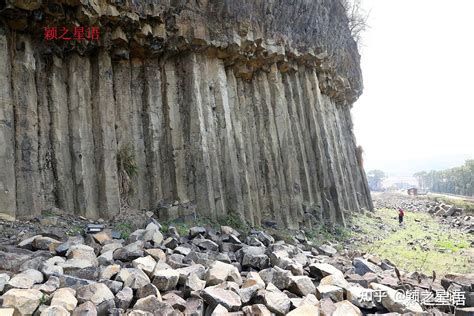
x=195, y=104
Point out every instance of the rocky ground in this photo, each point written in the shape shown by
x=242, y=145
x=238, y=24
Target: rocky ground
x=458, y=216
x=204, y=271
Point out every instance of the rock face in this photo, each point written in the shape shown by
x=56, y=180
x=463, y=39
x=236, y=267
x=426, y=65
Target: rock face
x=223, y=105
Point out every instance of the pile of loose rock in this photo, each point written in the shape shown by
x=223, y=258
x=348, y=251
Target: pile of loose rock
x=206, y=272
x=447, y=214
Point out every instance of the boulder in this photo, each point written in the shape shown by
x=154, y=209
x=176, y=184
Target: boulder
x=4, y=278
x=165, y=280
x=193, y=283
x=280, y=258
x=336, y=280
x=171, y=243
x=265, y=238
x=361, y=297
x=326, y=307
x=72, y=282
x=256, y=309
x=148, y=290
x=182, y=250
x=249, y=289
x=106, y=258
x=49, y=286
x=304, y=310
x=157, y=237
x=103, y=236
x=196, y=230
x=254, y=257
x=111, y=247
x=11, y=259
x=219, y=272
x=301, y=285
x=346, y=308
x=82, y=253
x=146, y=264
x=333, y=292
x=49, y=270
x=123, y=298
x=281, y=278
x=131, y=251
x=327, y=250
x=157, y=254
x=220, y=310
x=133, y=278
x=110, y=271
x=97, y=293
x=206, y=244
x=362, y=266
x=276, y=301
x=153, y=305
x=396, y=301
x=25, y=301
x=85, y=309
x=44, y=243
x=194, y=306
x=26, y=279
x=175, y=300
x=54, y=311
x=320, y=270
x=66, y=298
x=139, y=313
x=216, y=295
x=196, y=269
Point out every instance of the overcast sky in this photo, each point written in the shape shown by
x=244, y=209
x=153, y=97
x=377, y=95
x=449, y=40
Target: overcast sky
x=417, y=110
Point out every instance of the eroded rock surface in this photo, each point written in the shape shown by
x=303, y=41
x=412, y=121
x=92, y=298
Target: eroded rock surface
x=225, y=106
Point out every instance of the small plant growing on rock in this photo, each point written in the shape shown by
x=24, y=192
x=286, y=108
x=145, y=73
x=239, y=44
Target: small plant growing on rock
x=233, y=220
x=125, y=229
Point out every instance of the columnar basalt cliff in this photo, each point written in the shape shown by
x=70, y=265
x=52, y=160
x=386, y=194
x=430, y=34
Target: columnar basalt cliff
x=236, y=106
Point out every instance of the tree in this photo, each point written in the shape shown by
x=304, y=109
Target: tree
x=458, y=180
x=357, y=17
x=375, y=178
x=420, y=177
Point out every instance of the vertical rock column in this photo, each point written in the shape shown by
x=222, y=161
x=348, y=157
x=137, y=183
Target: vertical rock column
x=225, y=132
x=236, y=102
x=174, y=109
x=315, y=143
x=105, y=143
x=137, y=86
x=60, y=139
x=306, y=179
x=343, y=150
x=81, y=137
x=26, y=131
x=199, y=168
x=7, y=131
x=248, y=143
x=334, y=188
x=45, y=149
x=153, y=128
x=287, y=149
x=271, y=196
x=208, y=111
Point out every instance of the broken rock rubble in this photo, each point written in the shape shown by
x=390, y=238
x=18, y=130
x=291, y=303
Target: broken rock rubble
x=205, y=272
